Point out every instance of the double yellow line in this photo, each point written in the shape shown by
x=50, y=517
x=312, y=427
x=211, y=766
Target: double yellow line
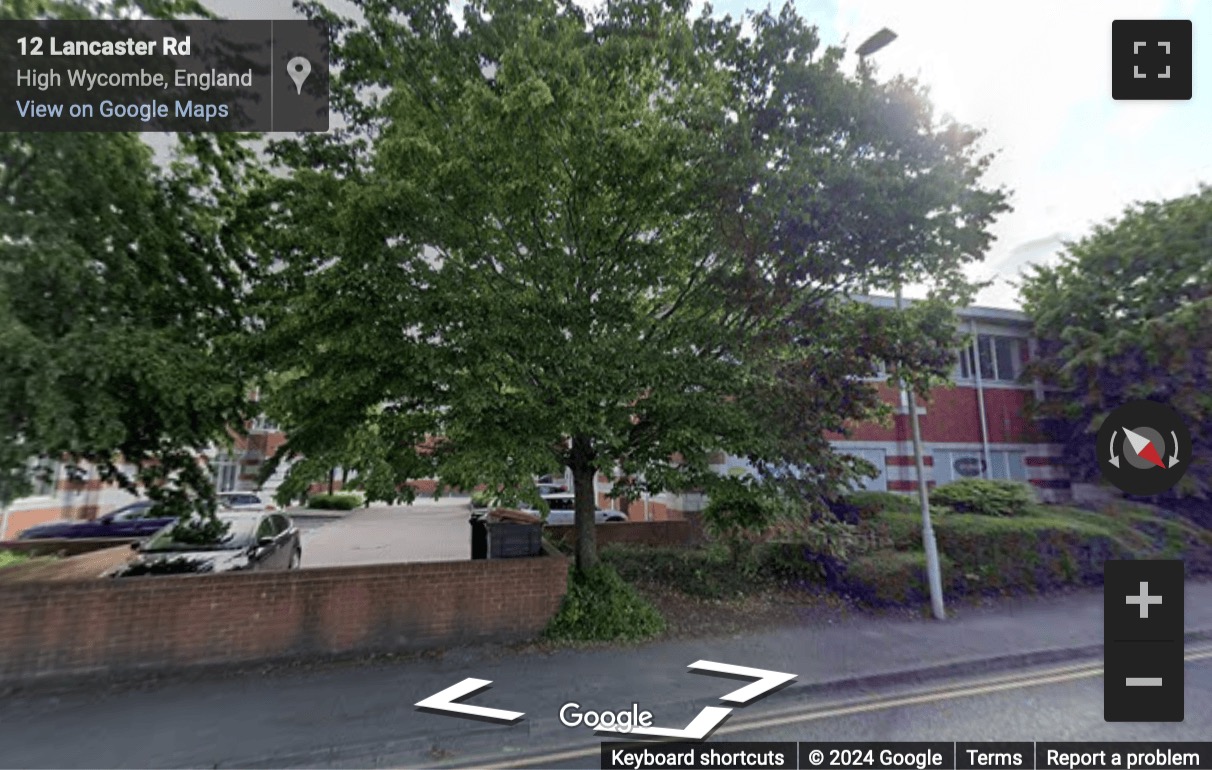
x=858, y=706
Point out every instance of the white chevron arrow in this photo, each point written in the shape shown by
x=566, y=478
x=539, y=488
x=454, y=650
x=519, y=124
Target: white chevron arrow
x=766, y=680
x=445, y=701
x=703, y=725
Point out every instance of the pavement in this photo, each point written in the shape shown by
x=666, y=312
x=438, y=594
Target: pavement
x=364, y=715
x=426, y=530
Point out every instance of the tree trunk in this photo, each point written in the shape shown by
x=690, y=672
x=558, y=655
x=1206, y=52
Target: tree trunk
x=332, y=477
x=584, y=471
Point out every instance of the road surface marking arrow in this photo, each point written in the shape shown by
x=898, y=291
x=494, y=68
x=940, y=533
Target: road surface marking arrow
x=703, y=725
x=766, y=682
x=1144, y=448
x=445, y=702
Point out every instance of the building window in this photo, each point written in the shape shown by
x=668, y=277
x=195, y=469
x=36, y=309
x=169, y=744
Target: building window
x=43, y=476
x=1001, y=358
x=225, y=471
x=263, y=424
x=879, y=372
x=970, y=464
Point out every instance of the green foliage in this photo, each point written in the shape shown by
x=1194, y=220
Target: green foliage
x=11, y=558
x=646, y=223
x=1124, y=315
x=1044, y=548
x=986, y=497
x=901, y=531
x=870, y=504
x=891, y=577
x=740, y=509
x=811, y=548
x=334, y=502
x=707, y=573
x=121, y=289
x=601, y=607
x=365, y=455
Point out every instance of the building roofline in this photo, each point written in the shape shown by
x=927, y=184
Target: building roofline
x=972, y=312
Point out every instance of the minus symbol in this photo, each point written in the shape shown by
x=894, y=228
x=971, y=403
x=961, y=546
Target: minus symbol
x=1143, y=681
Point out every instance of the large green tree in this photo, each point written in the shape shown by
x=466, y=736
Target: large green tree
x=613, y=239
x=121, y=283
x=1125, y=314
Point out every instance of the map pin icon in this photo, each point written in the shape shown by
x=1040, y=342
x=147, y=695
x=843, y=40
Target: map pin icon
x=298, y=68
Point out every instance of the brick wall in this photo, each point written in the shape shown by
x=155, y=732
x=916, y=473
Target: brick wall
x=154, y=623
x=681, y=532
x=64, y=546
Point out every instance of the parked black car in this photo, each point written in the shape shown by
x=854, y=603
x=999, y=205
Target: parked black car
x=254, y=541
x=135, y=520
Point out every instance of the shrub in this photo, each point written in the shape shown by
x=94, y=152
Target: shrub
x=708, y=573
x=811, y=549
x=1027, y=553
x=12, y=558
x=738, y=511
x=985, y=497
x=600, y=606
x=334, y=502
x=891, y=577
x=895, y=530
x=870, y=504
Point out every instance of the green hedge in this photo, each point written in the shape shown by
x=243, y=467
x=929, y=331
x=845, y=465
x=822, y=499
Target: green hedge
x=1044, y=548
x=334, y=502
x=1026, y=553
x=704, y=572
x=985, y=497
x=891, y=577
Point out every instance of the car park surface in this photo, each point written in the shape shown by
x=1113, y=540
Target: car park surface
x=427, y=530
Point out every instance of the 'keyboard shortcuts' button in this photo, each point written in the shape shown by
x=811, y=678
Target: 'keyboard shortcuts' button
x=1151, y=59
x=1143, y=641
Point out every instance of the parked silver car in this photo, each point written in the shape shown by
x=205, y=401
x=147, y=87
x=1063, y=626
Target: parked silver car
x=562, y=505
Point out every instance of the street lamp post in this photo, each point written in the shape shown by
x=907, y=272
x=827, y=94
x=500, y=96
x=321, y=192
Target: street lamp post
x=929, y=544
x=934, y=573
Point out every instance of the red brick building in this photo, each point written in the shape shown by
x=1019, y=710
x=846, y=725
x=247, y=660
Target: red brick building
x=978, y=427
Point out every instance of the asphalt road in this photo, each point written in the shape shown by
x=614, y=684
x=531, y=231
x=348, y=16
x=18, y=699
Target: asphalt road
x=1057, y=703
x=196, y=727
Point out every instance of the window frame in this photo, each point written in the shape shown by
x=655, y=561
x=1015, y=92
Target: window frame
x=973, y=355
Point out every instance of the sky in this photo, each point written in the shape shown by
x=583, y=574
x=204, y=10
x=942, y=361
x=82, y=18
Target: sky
x=1036, y=76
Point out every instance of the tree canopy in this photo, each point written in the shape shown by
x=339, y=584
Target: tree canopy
x=613, y=239
x=1127, y=314
x=121, y=286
